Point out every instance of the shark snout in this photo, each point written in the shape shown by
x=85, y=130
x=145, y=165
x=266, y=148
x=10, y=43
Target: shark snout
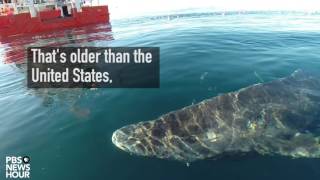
x=129, y=139
x=119, y=138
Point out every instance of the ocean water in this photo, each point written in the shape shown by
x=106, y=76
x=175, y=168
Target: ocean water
x=67, y=132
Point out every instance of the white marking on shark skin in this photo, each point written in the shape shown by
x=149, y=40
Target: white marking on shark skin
x=187, y=146
x=194, y=120
x=237, y=110
x=173, y=149
x=212, y=137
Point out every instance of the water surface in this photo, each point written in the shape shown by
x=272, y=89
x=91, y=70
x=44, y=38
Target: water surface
x=67, y=132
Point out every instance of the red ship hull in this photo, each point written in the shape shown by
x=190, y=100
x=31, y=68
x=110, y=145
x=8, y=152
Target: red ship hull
x=50, y=20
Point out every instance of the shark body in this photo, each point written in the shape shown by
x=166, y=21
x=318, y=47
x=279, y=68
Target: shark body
x=280, y=117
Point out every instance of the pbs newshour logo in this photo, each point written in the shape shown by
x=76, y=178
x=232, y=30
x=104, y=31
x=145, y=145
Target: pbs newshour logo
x=17, y=167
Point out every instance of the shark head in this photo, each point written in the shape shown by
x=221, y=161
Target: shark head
x=172, y=136
x=138, y=139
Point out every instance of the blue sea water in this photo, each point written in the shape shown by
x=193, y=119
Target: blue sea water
x=67, y=132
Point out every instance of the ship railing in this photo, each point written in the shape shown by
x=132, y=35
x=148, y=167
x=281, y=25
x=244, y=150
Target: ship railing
x=39, y=5
x=13, y=8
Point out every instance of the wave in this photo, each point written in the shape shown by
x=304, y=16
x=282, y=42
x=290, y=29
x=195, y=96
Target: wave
x=126, y=9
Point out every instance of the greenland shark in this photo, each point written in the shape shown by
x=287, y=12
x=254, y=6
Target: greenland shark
x=281, y=117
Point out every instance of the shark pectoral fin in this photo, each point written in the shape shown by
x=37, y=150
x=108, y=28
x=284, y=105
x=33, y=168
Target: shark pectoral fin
x=301, y=145
x=307, y=145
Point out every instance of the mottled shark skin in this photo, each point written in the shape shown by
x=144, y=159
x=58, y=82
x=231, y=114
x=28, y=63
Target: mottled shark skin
x=281, y=117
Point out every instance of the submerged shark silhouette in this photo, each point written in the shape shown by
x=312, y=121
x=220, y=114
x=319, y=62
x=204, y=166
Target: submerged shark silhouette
x=280, y=117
